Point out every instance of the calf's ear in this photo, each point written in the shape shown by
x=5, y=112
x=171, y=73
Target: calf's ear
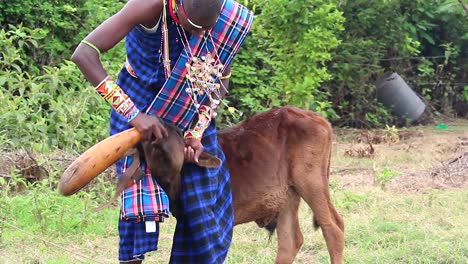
x=208, y=161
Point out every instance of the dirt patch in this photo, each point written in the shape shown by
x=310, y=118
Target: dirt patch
x=361, y=151
x=454, y=173
x=449, y=175
x=389, y=136
x=423, y=157
x=377, y=136
x=421, y=160
x=353, y=177
x=22, y=167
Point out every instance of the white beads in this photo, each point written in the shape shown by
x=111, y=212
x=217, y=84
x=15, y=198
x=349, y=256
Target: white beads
x=202, y=74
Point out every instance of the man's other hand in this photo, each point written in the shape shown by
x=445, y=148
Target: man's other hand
x=150, y=127
x=193, y=150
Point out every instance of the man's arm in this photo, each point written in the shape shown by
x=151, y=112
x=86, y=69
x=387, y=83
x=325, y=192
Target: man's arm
x=111, y=32
x=105, y=37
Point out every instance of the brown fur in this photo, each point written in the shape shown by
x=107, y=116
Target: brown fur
x=275, y=159
x=164, y=159
x=165, y=164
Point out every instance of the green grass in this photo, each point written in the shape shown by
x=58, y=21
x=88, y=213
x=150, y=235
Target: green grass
x=383, y=225
x=417, y=228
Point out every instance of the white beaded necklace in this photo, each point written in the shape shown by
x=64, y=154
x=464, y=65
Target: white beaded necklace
x=203, y=73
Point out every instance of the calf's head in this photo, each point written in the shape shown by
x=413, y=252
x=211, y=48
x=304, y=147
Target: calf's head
x=165, y=160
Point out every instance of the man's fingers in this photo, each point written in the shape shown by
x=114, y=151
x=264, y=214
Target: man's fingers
x=157, y=134
x=189, y=154
x=163, y=130
x=147, y=135
x=197, y=154
x=186, y=155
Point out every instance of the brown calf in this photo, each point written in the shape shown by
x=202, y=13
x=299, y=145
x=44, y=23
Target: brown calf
x=275, y=159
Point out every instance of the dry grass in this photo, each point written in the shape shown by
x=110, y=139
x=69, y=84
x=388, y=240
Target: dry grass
x=422, y=156
x=418, y=218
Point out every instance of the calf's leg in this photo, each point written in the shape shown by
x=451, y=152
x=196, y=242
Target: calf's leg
x=290, y=238
x=314, y=190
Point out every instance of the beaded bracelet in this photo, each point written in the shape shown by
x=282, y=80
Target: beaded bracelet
x=226, y=77
x=117, y=98
x=204, y=118
x=92, y=46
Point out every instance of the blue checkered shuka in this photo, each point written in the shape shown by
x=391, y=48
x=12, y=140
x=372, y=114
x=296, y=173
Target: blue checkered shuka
x=144, y=55
x=204, y=231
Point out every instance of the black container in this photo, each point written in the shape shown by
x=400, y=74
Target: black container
x=394, y=93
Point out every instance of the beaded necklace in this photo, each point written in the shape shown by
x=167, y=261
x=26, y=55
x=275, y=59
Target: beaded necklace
x=203, y=72
x=165, y=43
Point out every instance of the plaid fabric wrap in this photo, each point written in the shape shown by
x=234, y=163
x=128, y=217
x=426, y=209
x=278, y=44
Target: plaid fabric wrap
x=144, y=200
x=204, y=233
x=172, y=103
x=144, y=54
x=134, y=241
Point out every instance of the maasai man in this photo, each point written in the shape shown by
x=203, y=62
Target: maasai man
x=179, y=55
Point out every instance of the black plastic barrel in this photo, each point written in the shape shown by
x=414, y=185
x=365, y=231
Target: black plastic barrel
x=394, y=93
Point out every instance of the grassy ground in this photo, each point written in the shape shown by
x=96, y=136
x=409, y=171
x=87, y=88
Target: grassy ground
x=403, y=195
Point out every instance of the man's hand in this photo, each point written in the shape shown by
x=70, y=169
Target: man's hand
x=149, y=126
x=193, y=150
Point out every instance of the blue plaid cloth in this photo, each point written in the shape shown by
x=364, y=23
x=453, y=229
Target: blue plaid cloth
x=204, y=233
x=173, y=103
x=145, y=200
x=143, y=53
x=134, y=241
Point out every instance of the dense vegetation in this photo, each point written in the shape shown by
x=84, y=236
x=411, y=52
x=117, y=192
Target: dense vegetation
x=315, y=54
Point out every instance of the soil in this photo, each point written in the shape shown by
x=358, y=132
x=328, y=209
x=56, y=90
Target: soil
x=23, y=167
x=451, y=172
x=363, y=145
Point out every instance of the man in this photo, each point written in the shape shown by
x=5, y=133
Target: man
x=169, y=46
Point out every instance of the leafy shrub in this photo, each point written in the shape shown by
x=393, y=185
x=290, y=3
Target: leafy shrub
x=284, y=59
x=45, y=101
x=385, y=175
x=54, y=109
x=315, y=54
x=64, y=22
x=424, y=41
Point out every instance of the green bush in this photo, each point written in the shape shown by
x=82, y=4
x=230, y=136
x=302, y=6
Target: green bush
x=315, y=54
x=56, y=109
x=45, y=101
x=65, y=23
x=284, y=59
x=424, y=41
